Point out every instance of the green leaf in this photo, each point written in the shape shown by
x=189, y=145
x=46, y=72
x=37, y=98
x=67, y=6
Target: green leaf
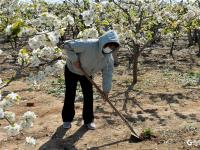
x=58, y=50
x=16, y=27
x=105, y=22
x=147, y=132
x=23, y=51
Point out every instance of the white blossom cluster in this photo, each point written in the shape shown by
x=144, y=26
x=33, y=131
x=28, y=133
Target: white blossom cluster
x=46, y=21
x=170, y=15
x=30, y=141
x=68, y=20
x=88, y=17
x=10, y=116
x=192, y=13
x=46, y=52
x=89, y=33
x=8, y=30
x=1, y=81
x=23, y=57
x=26, y=31
x=1, y=52
x=37, y=79
x=50, y=39
x=8, y=7
x=54, y=37
x=44, y=45
x=15, y=128
x=27, y=120
x=9, y=100
x=59, y=67
x=1, y=113
x=34, y=61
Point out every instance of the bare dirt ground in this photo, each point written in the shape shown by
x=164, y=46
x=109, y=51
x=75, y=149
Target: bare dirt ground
x=165, y=99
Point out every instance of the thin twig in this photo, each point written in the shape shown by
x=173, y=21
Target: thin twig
x=11, y=123
x=12, y=79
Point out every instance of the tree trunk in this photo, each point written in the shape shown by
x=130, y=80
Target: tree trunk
x=190, y=38
x=198, y=41
x=135, y=66
x=171, y=49
x=195, y=36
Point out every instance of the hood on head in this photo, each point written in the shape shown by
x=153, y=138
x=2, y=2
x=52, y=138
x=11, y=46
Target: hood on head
x=109, y=37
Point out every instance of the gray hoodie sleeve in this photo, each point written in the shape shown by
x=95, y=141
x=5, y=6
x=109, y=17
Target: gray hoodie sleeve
x=107, y=73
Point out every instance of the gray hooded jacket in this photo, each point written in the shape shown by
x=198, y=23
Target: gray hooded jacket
x=91, y=57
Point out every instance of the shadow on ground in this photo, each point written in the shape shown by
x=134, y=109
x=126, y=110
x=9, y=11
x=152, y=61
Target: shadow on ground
x=108, y=144
x=58, y=143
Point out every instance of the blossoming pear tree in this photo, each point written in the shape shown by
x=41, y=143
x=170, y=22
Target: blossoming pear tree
x=138, y=26
x=191, y=23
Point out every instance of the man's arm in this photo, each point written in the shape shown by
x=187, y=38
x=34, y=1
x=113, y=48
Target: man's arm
x=107, y=74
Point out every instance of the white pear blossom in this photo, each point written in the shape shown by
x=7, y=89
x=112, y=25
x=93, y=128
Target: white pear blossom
x=30, y=141
x=13, y=96
x=105, y=3
x=26, y=31
x=68, y=20
x=1, y=113
x=1, y=82
x=29, y=116
x=54, y=38
x=8, y=30
x=36, y=52
x=42, y=38
x=34, y=43
x=5, y=103
x=93, y=33
x=12, y=130
x=59, y=64
x=1, y=52
x=24, y=124
x=50, y=20
x=9, y=100
x=10, y=116
x=58, y=52
x=38, y=41
x=88, y=17
x=190, y=15
x=58, y=67
x=23, y=57
x=34, y=61
x=47, y=52
x=88, y=33
x=35, y=22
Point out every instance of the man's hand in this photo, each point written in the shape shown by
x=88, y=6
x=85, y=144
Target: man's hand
x=105, y=95
x=77, y=64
